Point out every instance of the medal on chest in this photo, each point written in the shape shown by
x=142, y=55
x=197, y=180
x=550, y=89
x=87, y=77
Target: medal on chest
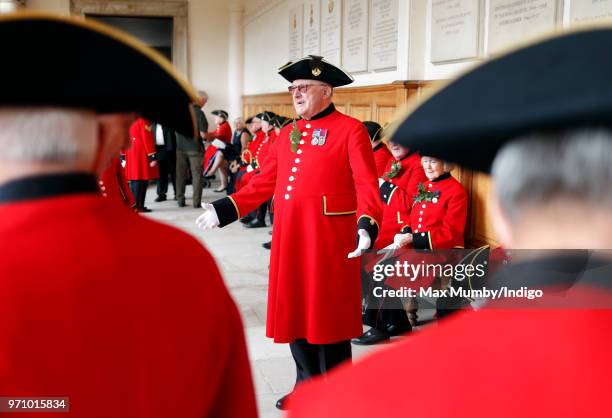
x=318, y=137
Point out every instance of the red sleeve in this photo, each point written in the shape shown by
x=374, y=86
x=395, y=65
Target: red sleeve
x=235, y=395
x=259, y=189
x=147, y=138
x=226, y=133
x=401, y=198
x=125, y=191
x=361, y=159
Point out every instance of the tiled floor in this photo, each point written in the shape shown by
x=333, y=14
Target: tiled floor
x=244, y=264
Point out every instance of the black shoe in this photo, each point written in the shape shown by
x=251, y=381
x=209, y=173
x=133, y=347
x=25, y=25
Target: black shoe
x=267, y=245
x=256, y=224
x=143, y=210
x=181, y=203
x=373, y=336
x=160, y=198
x=395, y=330
x=220, y=190
x=246, y=220
x=282, y=402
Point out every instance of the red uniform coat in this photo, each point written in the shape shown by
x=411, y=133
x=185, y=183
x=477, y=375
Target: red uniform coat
x=113, y=184
x=223, y=133
x=382, y=155
x=259, y=154
x=490, y=363
x=394, y=219
x=85, y=313
x=141, y=153
x=439, y=223
x=248, y=157
x=321, y=193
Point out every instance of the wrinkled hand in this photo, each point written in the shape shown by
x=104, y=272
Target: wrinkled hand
x=123, y=163
x=153, y=163
x=219, y=144
x=209, y=219
x=364, y=243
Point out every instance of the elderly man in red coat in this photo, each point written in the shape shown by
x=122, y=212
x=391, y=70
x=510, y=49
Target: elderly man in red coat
x=551, y=162
x=85, y=314
x=141, y=161
x=321, y=171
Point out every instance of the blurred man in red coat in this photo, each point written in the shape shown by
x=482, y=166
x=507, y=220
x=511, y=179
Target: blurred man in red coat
x=218, y=153
x=321, y=171
x=551, y=164
x=141, y=161
x=382, y=155
x=403, y=172
x=85, y=313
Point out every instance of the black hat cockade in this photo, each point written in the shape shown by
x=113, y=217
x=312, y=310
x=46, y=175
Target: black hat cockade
x=562, y=82
x=69, y=62
x=220, y=113
x=375, y=131
x=314, y=67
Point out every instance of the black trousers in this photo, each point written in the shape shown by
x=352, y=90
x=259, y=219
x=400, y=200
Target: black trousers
x=167, y=169
x=139, y=190
x=314, y=359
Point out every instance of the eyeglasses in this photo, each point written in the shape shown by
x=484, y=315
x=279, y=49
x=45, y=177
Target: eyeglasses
x=302, y=88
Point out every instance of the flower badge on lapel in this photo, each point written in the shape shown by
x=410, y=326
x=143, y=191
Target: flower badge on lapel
x=424, y=196
x=396, y=167
x=295, y=136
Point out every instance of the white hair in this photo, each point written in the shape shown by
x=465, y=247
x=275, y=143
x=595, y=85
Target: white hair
x=47, y=135
x=540, y=168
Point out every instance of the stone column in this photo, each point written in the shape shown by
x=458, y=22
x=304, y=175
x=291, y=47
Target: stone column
x=235, y=60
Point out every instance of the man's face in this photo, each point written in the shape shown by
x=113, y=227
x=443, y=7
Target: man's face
x=219, y=120
x=433, y=167
x=265, y=126
x=238, y=124
x=256, y=125
x=201, y=101
x=310, y=97
x=397, y=151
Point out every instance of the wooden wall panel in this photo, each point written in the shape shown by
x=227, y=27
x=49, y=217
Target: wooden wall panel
x=382, y=104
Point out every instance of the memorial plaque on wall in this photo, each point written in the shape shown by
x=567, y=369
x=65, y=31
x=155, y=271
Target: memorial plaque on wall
x=383, y=35
x=514, y=20
x=295, y=33
x=590, y=10
x=355, y=35
x=331, y=30
x=312, y=28
x=455, y=29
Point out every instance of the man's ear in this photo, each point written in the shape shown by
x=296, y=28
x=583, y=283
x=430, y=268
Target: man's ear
x=501, y=222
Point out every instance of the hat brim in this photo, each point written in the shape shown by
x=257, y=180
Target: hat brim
x=309, y=69
x=71, y=62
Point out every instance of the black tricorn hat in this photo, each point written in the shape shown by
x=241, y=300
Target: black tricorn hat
x=562, y=82
x=314, y=67
x=221, y=113
x=266, y=116
x=374, y=130
x=51, y=60
x=280, y=121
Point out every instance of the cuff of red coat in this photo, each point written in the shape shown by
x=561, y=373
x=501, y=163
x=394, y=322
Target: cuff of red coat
x=370, y=225
x=406, y=230
x=421, y=241
x=152, y=157
x=386, y=191
x=227, y=210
